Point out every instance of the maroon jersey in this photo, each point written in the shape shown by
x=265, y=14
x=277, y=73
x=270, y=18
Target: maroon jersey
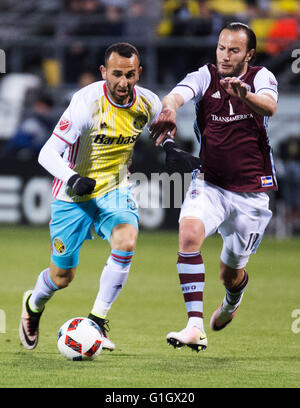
x=234, y=145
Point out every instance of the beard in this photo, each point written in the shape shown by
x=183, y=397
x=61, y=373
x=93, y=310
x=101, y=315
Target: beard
x=236, y=71
x=118, y=98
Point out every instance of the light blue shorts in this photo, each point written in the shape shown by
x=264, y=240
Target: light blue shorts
x=71, y=223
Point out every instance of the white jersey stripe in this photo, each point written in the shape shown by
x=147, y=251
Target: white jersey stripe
x=55, y=182
x=58, y=188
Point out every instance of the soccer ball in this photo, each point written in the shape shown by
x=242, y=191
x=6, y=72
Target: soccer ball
x=79, y=339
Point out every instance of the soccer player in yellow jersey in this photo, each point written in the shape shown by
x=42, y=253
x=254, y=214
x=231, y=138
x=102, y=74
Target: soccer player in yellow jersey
x=88, y=154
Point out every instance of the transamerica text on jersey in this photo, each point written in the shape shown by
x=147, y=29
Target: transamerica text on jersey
x=216, y=118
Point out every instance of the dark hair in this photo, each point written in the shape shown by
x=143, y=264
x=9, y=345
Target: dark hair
x=237, y=26
x=122, y=48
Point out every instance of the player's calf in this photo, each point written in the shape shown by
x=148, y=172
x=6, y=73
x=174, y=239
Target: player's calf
x=228, y=308
x=60, y=277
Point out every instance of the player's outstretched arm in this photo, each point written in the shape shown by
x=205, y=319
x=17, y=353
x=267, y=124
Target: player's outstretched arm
x=178, y=160
x=165, y=124
x=263, y=103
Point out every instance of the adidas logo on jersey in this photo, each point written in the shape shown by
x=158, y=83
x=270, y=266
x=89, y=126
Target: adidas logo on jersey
x=216, y=95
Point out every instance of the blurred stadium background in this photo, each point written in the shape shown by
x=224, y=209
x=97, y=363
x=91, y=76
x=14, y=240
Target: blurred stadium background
x=53, y=48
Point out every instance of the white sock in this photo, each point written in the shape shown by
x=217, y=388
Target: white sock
x=42, y=292
x=228, y=307
x=112, y=280
x=195, y=321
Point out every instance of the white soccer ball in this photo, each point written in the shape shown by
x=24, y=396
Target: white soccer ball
x=79, y=339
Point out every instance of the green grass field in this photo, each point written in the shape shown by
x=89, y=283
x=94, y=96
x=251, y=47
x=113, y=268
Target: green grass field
x=259, y=349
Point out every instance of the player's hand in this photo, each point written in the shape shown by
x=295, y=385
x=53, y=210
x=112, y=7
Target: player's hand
x=235, y=87
x=178, y=160
x=164, y=126
x=81, y=185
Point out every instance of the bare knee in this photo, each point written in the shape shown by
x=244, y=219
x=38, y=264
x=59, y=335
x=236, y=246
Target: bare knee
x=124, y=237
x=61, y=277
x=191, y=235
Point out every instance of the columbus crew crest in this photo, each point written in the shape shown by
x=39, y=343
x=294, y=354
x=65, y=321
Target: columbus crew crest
x=59, y=246
x=140, y=121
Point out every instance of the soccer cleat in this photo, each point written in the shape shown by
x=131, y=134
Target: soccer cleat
x=192, y=337
x=104, y=328
x=29, y=324
x=223, y=315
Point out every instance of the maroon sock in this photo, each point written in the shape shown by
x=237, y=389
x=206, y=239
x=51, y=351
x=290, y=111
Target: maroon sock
x=191, y=274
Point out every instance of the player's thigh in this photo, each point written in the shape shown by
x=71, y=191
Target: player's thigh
x=205, y=202
x=116, y=208
x=243, y=231
x=69, y=227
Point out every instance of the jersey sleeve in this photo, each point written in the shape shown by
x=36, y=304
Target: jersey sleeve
x=73, y=121
x=50, y=157
x=265, y=82
x=194, y=85
x=156, y=108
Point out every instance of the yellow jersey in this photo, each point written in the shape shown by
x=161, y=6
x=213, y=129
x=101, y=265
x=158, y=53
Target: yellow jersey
x=101, y=136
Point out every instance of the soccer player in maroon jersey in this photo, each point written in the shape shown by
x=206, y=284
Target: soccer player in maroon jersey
x=233, y=102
